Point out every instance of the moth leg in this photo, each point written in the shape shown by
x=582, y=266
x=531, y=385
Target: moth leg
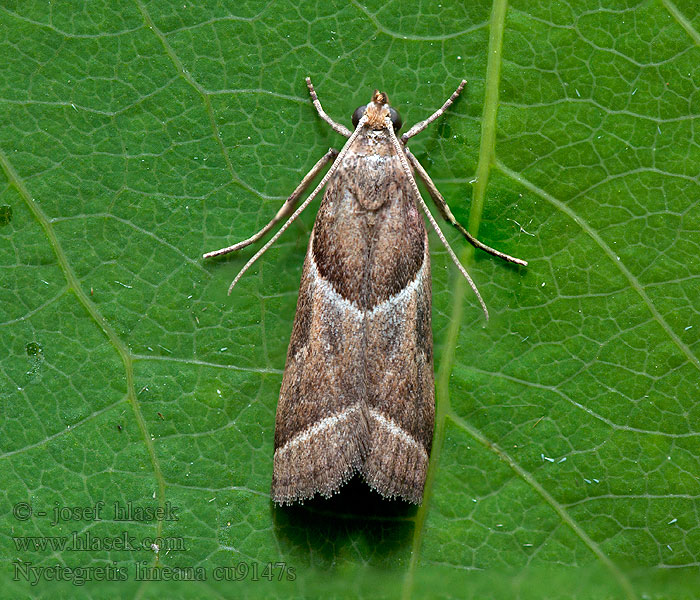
x=401, y=153
x=339, y=160
x=287, y=208
x=341, y=129
x=418, y=127
x=449, y=217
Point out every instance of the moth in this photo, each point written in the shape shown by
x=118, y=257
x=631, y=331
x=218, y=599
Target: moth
x=357, y=392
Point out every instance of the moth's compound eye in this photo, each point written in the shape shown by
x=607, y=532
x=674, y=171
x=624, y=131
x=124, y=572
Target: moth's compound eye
x=395, y=118
x=358, y=114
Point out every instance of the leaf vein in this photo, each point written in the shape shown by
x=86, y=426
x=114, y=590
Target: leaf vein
x=633, y=281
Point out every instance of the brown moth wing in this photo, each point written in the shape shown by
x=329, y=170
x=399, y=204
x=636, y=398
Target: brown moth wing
x=321, y=425
x=399, y=346
x=401, y=401
x=362, y=323
x=321, y=428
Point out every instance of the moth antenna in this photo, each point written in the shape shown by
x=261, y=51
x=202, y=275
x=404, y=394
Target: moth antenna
x=436, y=227
x=301, y=208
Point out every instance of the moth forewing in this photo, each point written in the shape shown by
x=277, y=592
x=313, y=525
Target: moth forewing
x=357, y=393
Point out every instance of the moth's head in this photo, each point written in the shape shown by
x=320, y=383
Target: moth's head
x=377, y=110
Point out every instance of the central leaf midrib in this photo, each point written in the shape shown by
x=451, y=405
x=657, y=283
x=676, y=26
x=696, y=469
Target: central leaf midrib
x=486, y=153
x=486, y=160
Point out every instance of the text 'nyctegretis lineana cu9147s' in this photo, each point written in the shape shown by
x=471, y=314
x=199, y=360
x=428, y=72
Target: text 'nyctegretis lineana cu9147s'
x=357, y=391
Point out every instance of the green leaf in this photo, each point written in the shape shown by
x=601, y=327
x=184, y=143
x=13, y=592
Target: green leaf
x=136, y=136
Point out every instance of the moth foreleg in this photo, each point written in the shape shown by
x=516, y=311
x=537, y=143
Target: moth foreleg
x=418, y=127
x=446, y=213
x=341, y=129
x=287, y=208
